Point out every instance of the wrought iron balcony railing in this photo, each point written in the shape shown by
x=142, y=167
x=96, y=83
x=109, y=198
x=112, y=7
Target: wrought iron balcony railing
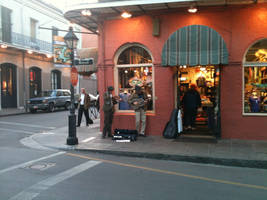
x=24, y=41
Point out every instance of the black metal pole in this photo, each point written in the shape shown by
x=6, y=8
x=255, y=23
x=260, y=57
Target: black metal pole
x=72, y=139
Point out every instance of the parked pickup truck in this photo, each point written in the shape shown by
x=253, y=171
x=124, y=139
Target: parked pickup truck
x=49, y=100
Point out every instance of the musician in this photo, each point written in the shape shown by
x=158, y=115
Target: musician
x=108, y=108
x=138, y=101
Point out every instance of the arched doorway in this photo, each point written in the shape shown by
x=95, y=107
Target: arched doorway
x=35, y=80
x=197, y=52
x=8, y=85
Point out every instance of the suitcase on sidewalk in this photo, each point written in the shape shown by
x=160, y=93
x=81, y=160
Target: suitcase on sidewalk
x=125, y=134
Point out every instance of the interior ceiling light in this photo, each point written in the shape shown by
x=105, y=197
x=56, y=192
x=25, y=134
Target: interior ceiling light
x=3, y=46
x=192, y=9
x=48, y=55
x=86, y=12
x=30, y=52
x=126, y=15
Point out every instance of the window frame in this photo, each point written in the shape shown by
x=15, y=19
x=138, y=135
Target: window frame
x=250, y=64
x=116, y=74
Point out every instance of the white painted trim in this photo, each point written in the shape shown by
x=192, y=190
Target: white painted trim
x=80, y=5
x=18, y=88
x=0, y=88
x=250, y=64
x=116, y=79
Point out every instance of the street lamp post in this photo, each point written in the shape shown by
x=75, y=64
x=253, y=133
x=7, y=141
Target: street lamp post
x=71, y=41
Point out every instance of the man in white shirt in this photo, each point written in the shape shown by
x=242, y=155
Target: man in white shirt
x=84, y=103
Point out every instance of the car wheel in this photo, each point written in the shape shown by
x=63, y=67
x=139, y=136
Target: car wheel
x=67, y=105
x=32, y=110
x=51, y=107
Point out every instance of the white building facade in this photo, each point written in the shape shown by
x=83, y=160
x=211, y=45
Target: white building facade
x=26, y=58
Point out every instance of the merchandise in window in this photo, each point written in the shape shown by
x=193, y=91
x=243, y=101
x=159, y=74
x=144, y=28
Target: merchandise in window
x=255, y=91
x=255, y=78
x=129, y=77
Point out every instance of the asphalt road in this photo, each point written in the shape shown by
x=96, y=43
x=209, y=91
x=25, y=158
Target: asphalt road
x=42, y=174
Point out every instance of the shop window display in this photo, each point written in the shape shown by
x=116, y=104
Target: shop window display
x=255, y=79
x=255, y=91
x=134, y=67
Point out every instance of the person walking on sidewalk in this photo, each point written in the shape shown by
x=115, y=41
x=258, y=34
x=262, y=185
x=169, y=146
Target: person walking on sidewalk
x=108, y=108
x=191, y=102
x=138, y=101
x=84, y=104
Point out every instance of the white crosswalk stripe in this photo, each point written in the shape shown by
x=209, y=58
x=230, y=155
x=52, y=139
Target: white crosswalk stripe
x=30, y=162
x=27, y=125
x=36, y=189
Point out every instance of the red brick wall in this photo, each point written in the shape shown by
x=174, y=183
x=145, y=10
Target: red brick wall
x=240, y=27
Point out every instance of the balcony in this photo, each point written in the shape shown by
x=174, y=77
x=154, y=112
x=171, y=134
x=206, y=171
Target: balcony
x=22, y=41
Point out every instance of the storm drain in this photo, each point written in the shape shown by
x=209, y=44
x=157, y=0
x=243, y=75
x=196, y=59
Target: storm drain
x=41, y=166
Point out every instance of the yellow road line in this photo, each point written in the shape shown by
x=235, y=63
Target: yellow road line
x=171, y=173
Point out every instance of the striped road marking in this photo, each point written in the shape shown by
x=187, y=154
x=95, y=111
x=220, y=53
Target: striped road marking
x=88, y=139
x=16, y=131
x=36, y=189
x=30, y=162
x=28, y=125
x=261, y=187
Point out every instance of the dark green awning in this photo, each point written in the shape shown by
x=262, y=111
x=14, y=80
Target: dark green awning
x=194, y=45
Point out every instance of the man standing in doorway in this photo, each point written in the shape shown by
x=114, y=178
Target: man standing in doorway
x=84, y=103
x=138, y=101
x=191, y=102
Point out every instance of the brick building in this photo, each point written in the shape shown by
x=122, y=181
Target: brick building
x=164, y=46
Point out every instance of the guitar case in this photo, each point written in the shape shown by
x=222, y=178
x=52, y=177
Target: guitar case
x=125, y=134
x=170, y=131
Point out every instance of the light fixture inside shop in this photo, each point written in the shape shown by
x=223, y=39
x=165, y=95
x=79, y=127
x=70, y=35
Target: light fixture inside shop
x=48, y=55
x=29, y=52
x=192, y=9
x=126, y=15
x=3, y=46
x=86, y=12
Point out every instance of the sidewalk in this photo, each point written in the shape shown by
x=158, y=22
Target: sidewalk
x=4, y=112
x=224, y=152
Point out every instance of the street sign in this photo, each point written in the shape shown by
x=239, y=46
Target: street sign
x=85, y=61
x=74, y=76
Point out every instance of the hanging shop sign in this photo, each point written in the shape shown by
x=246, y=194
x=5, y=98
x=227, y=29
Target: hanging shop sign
x=62, y=54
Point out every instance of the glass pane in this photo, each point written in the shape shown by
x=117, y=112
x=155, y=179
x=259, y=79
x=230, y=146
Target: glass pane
x=134, y=55
x=255, y=91
x=128, y=78
x=10, y=81
x=258, y=52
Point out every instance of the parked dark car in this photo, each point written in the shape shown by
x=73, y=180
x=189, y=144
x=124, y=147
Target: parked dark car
x=49, y=100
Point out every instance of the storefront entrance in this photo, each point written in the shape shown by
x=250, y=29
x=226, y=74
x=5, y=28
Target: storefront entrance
x=206, y=118
x=8, y=86
x=199, y=52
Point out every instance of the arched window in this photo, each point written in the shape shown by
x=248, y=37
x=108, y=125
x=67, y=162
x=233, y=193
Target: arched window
x=255, y=79
x=134, y=67
x=56, y=79
x=35, y=79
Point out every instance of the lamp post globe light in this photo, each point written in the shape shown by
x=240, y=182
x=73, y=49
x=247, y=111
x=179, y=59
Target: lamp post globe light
x=71, y=40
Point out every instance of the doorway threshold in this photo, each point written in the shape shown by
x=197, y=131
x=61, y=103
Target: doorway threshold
x=195, y=138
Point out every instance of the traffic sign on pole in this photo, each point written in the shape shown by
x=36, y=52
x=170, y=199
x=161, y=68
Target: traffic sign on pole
x=74, y=76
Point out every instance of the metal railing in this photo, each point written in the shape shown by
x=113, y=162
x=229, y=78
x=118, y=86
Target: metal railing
x=21, y=40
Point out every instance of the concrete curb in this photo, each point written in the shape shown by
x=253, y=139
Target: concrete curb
x=194, y=159
x=13, y=114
